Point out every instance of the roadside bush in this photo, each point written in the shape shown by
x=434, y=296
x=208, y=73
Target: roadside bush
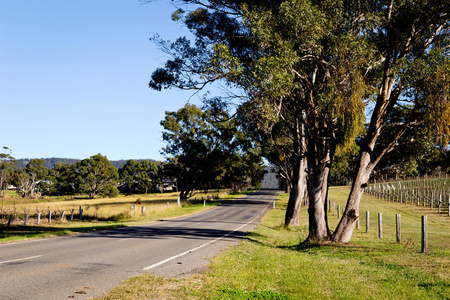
x=110, y=191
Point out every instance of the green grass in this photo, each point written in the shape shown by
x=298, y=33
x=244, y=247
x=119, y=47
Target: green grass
x=272, y=262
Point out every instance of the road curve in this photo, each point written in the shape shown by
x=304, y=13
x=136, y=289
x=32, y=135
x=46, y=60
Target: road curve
x=88, y=265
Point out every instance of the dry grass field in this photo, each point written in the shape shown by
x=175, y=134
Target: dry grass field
x=98, y=213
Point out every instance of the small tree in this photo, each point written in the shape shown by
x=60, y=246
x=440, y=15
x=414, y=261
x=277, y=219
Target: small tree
x=37, y=171
x=7, y=168
x=139, y=176
x=63, y=176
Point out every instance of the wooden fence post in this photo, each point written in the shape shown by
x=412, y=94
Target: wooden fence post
x=26, y=219
x=71, y=215
x=398, y=227
x=367, y=221
x=81, y=213
x=39, y=218
x=380, y=225
x=178, y=201
x=62, y=215
x=10, y=219
x=357, y=223
x=424, y=234
x=431, y=200
x=49, y=216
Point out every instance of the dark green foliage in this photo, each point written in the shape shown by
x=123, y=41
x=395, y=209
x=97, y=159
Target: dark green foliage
x=7, y=169
x=109, y=191
x=52, y=162
x=93, y=175
x=138, y=176
x=206, y=150
x=62, y=175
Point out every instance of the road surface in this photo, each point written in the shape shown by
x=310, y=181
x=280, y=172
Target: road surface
x=88, y=265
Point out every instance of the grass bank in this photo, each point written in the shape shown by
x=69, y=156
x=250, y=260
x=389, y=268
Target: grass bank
x=272, y=263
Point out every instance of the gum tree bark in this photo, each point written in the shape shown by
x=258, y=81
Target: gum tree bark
x=320, y=153
x=299, y=187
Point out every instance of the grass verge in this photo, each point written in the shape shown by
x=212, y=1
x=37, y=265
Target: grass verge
x=272, y=262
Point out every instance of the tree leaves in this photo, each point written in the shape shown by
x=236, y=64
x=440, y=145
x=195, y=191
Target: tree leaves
x=206, y=149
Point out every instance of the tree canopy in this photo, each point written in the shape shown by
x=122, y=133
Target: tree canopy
x=319, y=66
x=205, y=150
x=139, y=176
x=7, y=168
x=95, y=175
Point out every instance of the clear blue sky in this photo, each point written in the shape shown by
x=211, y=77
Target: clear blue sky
x=74, y=75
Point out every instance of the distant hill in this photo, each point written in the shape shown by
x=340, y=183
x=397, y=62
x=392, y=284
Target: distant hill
x=51, y=162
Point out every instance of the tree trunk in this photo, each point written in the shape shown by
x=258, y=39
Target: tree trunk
x=344, y=230
x=299, y=164
x=297, y=193
x=184, y=194
x=319, y=162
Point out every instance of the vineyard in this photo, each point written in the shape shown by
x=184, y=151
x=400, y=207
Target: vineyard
x=431, y=192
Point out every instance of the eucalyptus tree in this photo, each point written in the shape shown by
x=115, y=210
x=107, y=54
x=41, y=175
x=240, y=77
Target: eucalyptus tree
x=63, y=177
x=139, y=176
x=296, y=62
x=206, y=150
x=36, y=171
x=410, y=40
x=320, y=64
x=95, y=175
x=7, y=168
x=217, y=26
x=283, y=145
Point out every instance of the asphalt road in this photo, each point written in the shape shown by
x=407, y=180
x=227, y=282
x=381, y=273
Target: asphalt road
x=88, y=265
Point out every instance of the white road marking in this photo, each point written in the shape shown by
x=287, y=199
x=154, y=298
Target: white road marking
x=19, y=259
x=125, y=239
x=201, y=246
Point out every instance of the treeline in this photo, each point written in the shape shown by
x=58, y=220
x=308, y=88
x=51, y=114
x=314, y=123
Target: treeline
x=91, y=176
x=51, y=162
